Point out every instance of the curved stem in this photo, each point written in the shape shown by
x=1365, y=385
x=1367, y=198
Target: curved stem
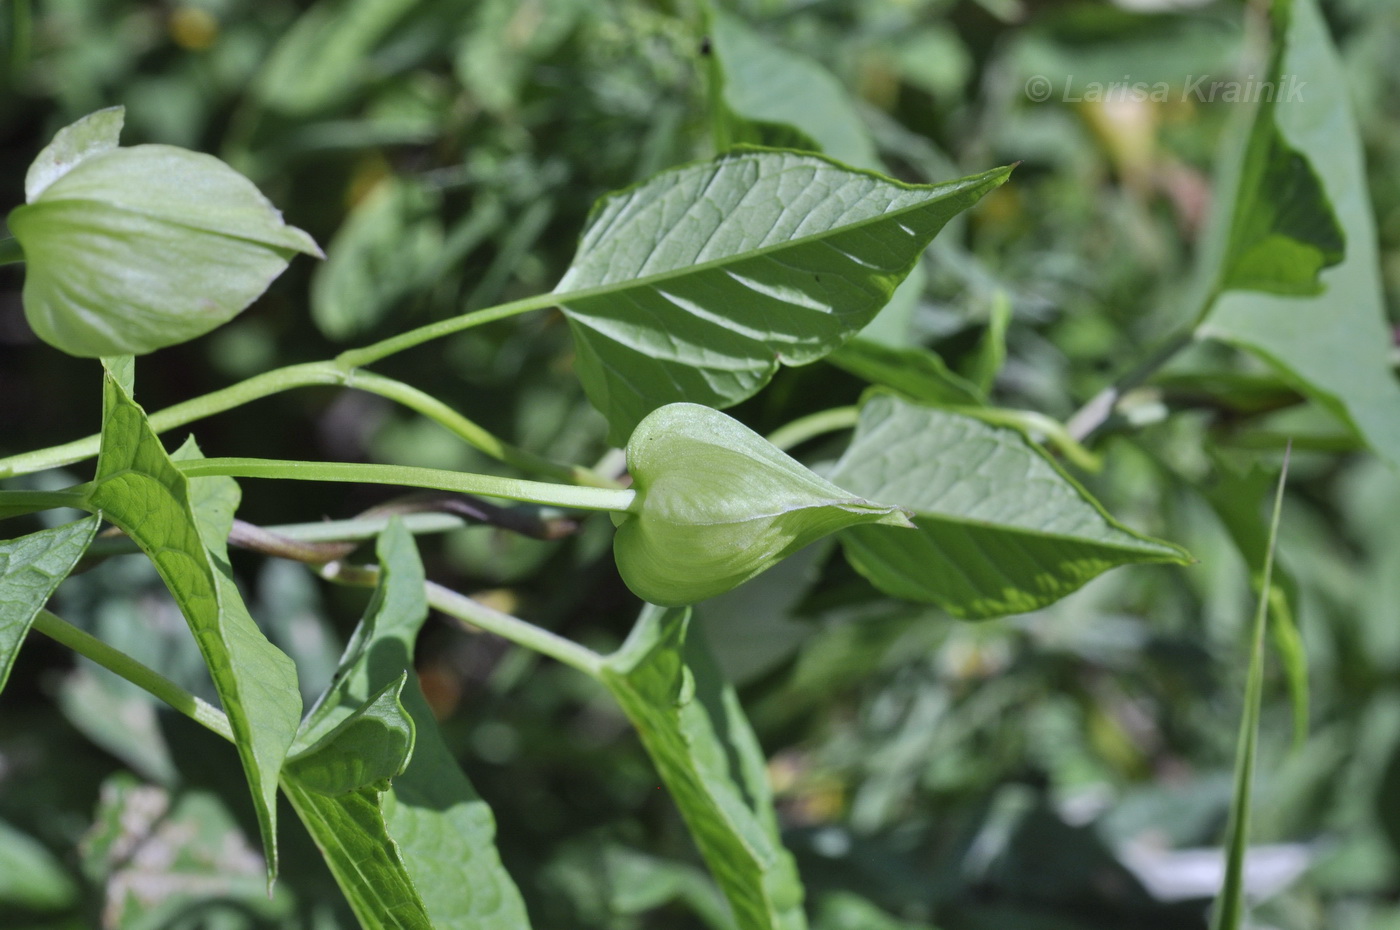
x=310, y=374
x=272, y=382
x=435, y=410
x=114, y=660
x=534, y=492
x=813, y=425
x=478, y=615
x=10, y=252
x=357, y=358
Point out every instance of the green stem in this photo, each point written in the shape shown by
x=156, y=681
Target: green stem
x=534, y=492
x=272, y=382
x=18, y=503
x=435, y=410
x=311, y=374
x=813, y=425
x=10, y=252
x=368, y=355
x=114, y=660
x=478, y=615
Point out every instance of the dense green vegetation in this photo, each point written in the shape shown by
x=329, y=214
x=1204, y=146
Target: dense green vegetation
x=891, y=682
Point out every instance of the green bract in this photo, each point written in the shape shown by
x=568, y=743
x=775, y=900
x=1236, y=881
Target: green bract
x=716, y=504
x=128, y=250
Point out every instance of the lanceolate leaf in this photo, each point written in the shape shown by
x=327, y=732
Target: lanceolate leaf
x=441, y=857
x=1001, y=529
x=697, y=284
x=139, y=489
x=1325, y=333
x=31, y=567
x=693, y=728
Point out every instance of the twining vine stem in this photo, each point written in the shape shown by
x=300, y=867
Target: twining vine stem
x=343, y=371
x=114, y=660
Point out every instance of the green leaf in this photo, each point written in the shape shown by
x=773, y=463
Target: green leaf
x=916, y=373
x=133, y=249
x=1229, y=905
x=1002, y=529
x=365, y=750
x=1333, y=345
x=716, y=504
x=92, y=135
x=31, y=568
x=367, y=864
x=140, y=489
x=325, y=57
x=767, y=95
x=1283, y=231
x=604, y=881
x=441, y=834
x=694, y=729
x=1236, y=501
x=697, y=284
x=766, y=89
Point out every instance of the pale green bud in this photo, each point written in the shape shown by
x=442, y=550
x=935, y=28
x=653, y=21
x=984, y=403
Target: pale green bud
x=717, y=504
x=127, y=250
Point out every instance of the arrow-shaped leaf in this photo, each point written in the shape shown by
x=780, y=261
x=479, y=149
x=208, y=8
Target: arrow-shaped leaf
x=698, y=283
x=1001, y=529
x=424, y=848
x=140, y=490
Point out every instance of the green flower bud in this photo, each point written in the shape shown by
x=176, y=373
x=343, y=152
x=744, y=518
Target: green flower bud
x=716, y=504
x=128, y=250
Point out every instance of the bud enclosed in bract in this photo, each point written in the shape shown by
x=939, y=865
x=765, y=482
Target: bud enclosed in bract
x=717, y=504
x=128, y=250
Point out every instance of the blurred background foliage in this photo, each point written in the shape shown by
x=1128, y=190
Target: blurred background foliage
x=1066, y=770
